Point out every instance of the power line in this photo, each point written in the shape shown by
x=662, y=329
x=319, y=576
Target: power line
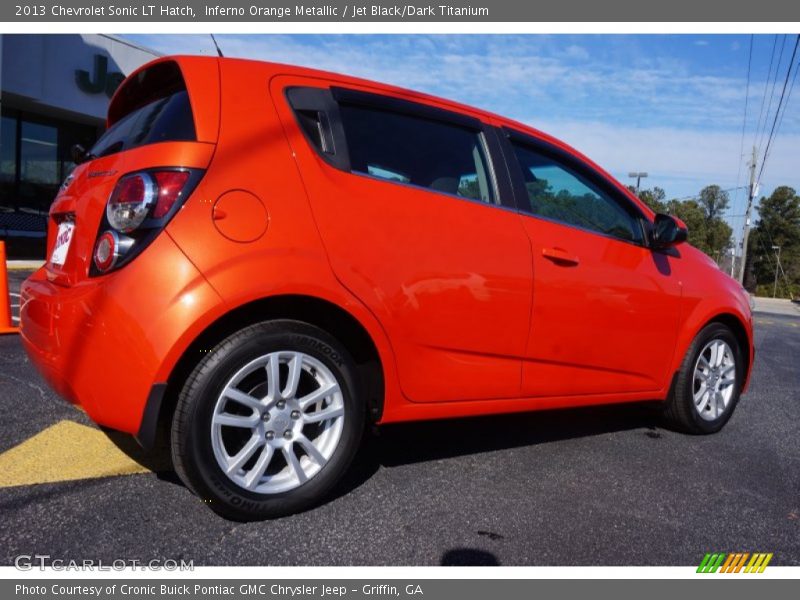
x=777, y=119
x=733, y=189
x=775, y=126
x=778, y=110
x=786, y=103
x=744, y=119
x=781, y=105
x=766, y=87
x=764, y=248
x=771, y=94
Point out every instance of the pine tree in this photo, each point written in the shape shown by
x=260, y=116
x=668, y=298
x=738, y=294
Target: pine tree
x=778, y=225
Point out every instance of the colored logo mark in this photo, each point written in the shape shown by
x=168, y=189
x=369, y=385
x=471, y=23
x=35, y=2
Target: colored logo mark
x=734, y=562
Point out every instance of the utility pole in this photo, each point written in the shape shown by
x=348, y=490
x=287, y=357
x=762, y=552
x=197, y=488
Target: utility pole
x=777, y=250
x=751, y=194
x=733, y=260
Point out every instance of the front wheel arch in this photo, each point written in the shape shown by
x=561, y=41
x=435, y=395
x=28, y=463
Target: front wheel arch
x=732, y=321
x=739, y=331
x=679, y=407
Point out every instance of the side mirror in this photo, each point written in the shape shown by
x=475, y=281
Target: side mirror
x=668, y=231
x=78, y=154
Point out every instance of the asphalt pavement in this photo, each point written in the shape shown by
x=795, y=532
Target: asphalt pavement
x=602, y=486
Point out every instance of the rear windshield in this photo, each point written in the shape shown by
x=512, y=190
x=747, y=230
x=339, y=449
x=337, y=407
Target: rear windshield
x=167, y=119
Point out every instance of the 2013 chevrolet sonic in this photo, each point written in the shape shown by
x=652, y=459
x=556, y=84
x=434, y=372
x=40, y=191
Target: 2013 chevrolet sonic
x=256, y=261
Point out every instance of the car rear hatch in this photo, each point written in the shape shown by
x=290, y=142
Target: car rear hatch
x=165, y=115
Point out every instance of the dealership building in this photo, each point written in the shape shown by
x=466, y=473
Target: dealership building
x=54, y=92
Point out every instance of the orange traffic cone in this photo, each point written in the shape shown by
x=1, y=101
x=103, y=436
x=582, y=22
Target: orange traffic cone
x=6, y=325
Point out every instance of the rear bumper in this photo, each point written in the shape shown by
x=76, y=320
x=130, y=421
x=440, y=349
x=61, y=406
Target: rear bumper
x=105, y=342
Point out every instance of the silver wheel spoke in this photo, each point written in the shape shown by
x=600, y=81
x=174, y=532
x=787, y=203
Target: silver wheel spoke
x=295, y=370
x=712, y=359
x=246, y=422
x=330, y=412
x=698, y=395
x=255, y=474
x=242, y=398
x=273, y=377
x=317, y=395
x=721, y=348
x=294, y=464
x=728, y=375
x=311, y=450
x=244, y=454
x=701, y=406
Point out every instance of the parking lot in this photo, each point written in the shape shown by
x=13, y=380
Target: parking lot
x=604, y=486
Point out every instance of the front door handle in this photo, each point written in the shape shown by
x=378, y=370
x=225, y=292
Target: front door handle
x=560, y=256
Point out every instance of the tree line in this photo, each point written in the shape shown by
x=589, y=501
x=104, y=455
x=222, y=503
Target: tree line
x=777, y=225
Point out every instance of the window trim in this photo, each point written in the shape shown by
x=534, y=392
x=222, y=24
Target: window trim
x=329, y=99
x=320, y=99
x=511, y=136
x=404, y=107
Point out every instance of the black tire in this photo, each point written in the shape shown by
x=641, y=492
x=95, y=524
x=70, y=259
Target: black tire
x=679, y=410
x=191, y=446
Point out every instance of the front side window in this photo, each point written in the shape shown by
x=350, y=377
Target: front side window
x=413, y=150
x=558, y=192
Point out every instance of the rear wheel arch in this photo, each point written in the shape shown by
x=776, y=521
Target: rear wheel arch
x=326, y=315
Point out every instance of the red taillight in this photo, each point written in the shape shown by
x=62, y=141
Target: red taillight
x=170, y=184
x=130, y=201
x=147, y=194
x=106, y=251
x=130, y=189
x=138, y=209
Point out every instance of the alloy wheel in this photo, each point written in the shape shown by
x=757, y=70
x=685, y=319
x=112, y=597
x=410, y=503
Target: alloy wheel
x=714, y=379
x=277, y=422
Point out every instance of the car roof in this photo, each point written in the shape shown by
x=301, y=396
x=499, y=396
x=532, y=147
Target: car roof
x=274, y=69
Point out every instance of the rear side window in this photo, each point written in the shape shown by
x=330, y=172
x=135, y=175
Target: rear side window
x=157, y=109
x=417, y=151
x=558, y=192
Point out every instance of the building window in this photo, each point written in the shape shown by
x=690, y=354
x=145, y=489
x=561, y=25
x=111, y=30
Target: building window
x=39, y=166
x=8, y=162
x=34, y=160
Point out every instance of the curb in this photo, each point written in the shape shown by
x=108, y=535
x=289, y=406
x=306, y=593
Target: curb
x=24, y=265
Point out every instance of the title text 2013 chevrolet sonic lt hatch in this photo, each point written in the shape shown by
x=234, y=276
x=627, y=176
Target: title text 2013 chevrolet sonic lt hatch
x=257, y=260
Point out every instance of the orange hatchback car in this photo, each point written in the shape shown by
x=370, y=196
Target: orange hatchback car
x=255, y=261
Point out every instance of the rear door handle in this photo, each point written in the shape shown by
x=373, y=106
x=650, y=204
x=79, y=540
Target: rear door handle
x=560, y=256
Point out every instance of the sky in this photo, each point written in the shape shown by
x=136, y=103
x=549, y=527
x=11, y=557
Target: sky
x=670, y=105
